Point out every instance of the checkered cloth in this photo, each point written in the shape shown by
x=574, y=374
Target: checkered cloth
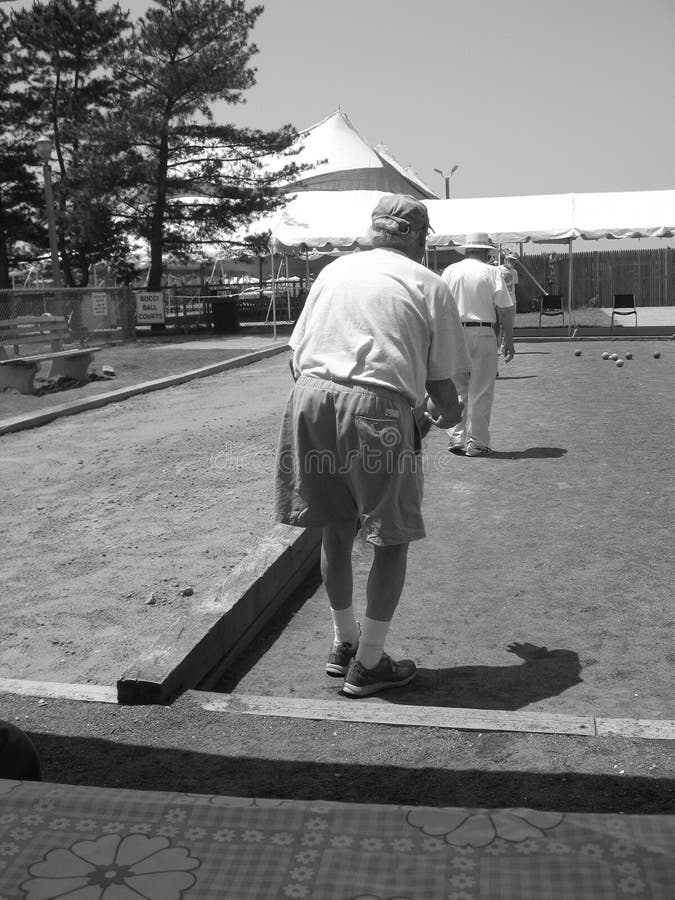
x=58, y=841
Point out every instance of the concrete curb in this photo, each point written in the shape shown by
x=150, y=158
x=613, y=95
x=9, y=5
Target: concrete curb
x=199, y=645
x=32, y=420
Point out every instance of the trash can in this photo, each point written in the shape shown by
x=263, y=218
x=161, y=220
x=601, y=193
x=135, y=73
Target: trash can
x=225, y=314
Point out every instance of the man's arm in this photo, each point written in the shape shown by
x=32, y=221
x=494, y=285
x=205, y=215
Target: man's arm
x=444, y=404
x=294, y=371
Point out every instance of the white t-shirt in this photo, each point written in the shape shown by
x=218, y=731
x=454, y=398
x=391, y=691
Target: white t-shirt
x=478, y=288
x=510, y=276
x=377, y=317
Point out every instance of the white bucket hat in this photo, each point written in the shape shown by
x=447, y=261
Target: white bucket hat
x=478, y=240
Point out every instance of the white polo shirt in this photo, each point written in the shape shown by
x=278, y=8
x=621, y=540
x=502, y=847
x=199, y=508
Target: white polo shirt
x=477, y=288
x=377, y=317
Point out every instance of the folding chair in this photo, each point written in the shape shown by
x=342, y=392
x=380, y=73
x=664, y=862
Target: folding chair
x=551, y=305
x=624, y=305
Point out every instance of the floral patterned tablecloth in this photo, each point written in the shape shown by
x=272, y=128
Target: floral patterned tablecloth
x=60, y=842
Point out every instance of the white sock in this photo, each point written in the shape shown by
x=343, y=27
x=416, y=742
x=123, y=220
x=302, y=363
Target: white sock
x=345, y=625
x=371, y=645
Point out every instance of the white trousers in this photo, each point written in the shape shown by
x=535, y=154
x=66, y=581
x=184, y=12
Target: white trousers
x=475, y=425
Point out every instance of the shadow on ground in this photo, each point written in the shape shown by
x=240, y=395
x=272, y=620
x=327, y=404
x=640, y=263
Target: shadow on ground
x=515, y=377
x=94, y=761
x=542, y=674
x=529, y=453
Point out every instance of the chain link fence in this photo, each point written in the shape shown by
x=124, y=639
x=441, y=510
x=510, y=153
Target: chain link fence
x=111, y=314
x=101, y=313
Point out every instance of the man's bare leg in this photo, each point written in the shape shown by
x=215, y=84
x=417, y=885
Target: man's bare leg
x=383, y=592
x=336, y=571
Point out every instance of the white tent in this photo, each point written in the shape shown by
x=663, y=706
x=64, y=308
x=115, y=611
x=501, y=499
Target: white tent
x=325, y=220
x=555, y=217
x=342, y=160
x=340, y=219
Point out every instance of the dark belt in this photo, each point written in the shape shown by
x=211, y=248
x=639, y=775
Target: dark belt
x=478, y=324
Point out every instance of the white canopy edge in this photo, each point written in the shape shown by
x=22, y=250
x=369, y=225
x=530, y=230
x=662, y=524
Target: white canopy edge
x=329, y=220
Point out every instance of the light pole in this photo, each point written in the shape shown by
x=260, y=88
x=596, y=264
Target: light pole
x=447, y=179
x=44, y=148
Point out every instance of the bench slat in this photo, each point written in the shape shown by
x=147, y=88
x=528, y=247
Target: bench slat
x=41, y=357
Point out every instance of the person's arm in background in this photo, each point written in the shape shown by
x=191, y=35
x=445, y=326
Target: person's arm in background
x=505, y=309
x=505, y=314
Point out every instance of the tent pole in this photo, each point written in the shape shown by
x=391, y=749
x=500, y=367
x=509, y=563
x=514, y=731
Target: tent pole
x=530, y=275
x=274, y=295
x=570, y=269
x=288, y=287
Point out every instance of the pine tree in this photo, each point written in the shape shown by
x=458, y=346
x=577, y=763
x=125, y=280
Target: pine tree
x=66, y=49
x=187, y=54
x=20, y=190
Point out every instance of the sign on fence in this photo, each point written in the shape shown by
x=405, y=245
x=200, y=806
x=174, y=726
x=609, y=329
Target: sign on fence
x=99, y=304
x=150, y=309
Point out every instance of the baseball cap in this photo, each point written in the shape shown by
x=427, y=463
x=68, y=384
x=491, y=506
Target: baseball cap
x=403, y=211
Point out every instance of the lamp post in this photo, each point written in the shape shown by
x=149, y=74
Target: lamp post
x=447, y=179
x=44, y=148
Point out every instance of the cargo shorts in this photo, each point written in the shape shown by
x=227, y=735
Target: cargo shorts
x=350, y=452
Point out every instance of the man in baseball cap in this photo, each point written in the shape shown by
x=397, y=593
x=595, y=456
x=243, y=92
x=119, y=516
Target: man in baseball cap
x=378, y=332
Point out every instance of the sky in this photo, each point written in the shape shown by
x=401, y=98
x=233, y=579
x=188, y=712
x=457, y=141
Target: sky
x=524, y=97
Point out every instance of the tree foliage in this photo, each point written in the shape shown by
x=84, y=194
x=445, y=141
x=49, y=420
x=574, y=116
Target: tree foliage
x=20, y=191
x=193, y=181
x=137, y=152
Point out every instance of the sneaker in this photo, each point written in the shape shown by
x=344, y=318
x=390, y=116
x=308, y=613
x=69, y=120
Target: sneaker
x=474, y=450
x=339, y=658
x=457, y=449
x=388, y=673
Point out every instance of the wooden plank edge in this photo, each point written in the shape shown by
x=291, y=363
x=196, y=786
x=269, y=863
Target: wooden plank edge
x=302, y=573
x=194, y=646
x=378, y=713
x=649, y=729
x=91, y=693
x=33, y=420
x=436, y=717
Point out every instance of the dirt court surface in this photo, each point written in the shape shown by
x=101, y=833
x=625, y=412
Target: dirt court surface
x=545, y=581
x=133, y=363
x=116, y=518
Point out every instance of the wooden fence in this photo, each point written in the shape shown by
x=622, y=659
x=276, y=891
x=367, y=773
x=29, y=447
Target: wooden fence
x=596, y=276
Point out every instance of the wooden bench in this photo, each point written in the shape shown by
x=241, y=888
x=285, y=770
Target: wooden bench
x=19, y=371
x=24, y=330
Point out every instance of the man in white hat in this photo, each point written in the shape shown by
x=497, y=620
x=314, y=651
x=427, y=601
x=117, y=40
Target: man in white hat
x=484, y=302
x=377, y=333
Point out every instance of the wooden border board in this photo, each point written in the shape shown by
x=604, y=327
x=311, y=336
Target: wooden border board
x=377, y=712
x=91, y=693
x=32, y=420
x=220, y=627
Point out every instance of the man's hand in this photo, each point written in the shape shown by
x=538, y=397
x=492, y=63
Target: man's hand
x=423, y=419
x=445, y=419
